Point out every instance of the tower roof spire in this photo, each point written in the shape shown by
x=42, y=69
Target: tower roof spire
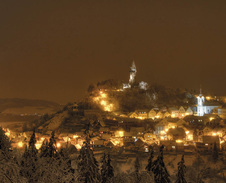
x=133, y=67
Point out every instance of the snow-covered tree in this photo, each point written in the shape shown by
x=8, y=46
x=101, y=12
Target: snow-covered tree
x=215, y=152
x=29, y=160
x=55, y=169
x=44, y=152
x=160, y=172
x=110, y=169
x=52, y=145
x=5, y=144
x=181, y=172
x=137, y=169
x=150, y=161
x=9, y=169
x=104, y=169
x=88, y=171
x=107, y=171
x=32, y=150
x=64, y=162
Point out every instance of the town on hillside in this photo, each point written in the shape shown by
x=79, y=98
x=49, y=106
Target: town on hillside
x=195, y=126
x=127, y=121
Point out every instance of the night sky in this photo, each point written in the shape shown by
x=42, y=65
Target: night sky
x=53, y=50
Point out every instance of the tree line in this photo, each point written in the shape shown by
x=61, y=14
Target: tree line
x=50, y=164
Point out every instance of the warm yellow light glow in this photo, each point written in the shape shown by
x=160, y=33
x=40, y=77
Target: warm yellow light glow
x=20, y=144
x=103, y=95
x=208, y=98
x=157, y=116
x=7, y=134
x=179, y=141
x=166, y=130
x=103, y=102
x=140, y=117
x=173, y=126
x=96, y=99
x=108, y=108
x=211, y=118
x=42, y=139
x=38, y=145
x=190, y=137
x=187, y=132
x=78, y=146
x=121, y=133
x=115, y=142
x=219, y=133
x=162, y=138
x=173, y=115
x=58, y=145
x=162, y=132
x=214, y=134
x=75, y=136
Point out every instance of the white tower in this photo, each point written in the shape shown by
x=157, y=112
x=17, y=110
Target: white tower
x=132, y=76
x=200, y=107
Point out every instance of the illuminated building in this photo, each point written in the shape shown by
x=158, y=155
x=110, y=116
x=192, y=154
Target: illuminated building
x=205, y=107
x=132, y=79
x=132, y=76
x=200, y=107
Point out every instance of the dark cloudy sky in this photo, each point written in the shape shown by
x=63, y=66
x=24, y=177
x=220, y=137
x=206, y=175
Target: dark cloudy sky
x=54, y=49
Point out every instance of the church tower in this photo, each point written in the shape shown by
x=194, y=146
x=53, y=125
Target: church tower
x=132, y=76
x=200, y=101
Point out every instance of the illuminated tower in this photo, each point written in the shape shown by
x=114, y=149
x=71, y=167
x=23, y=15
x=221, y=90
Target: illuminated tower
x=200, y=107
x=132, y=72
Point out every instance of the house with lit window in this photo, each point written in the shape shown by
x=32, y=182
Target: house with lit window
x=222, y=112
x=181, y=112
x=189, y=111
x=174, y=112
x=159, y=115
x=142, y=114
x=161, y=127
x=133, y=115
x=152, y=114
x=166, y=114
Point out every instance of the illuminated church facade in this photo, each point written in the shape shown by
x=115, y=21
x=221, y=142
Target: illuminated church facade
x=201, y=110
x=204, y=107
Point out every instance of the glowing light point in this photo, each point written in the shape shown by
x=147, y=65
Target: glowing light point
x=58, y=145
x=20, y=144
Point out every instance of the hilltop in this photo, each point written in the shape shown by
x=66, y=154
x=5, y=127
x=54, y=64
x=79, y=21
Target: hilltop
x=20, y=106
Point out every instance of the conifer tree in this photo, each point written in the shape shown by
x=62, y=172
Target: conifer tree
x=44, y=152
x=160, y=172
x=32, y=150
x=104, y=169
x=215, y=152
x=29, y=160
x=5, y=144
x=181, y=172
x=150, y=161
x=87, y=164
x=64, y=163
x=137, y=169
x=52, y=145
x=110, y=170
x=9, y=169
x=107, y=171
